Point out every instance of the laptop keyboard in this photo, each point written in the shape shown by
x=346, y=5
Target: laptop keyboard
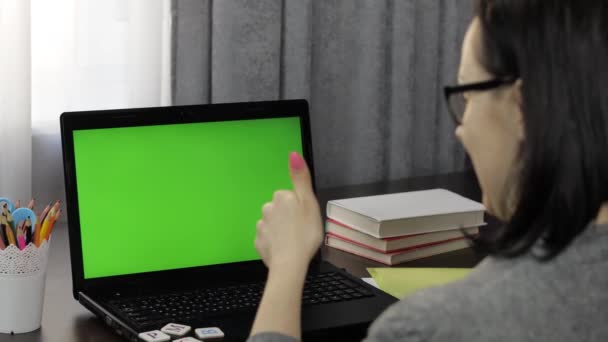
x=201, y=303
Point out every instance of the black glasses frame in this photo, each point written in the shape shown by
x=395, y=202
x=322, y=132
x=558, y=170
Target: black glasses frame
x=448, y=91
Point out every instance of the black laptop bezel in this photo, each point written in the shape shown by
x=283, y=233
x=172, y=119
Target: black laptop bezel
x=204, y=275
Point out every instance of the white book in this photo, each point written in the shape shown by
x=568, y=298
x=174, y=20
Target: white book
x=396, y=258
x=407, y=213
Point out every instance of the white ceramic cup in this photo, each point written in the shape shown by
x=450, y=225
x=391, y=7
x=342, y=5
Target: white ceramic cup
x=22, y=280
x=21, y=298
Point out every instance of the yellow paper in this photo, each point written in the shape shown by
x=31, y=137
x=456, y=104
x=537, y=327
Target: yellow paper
x=401, y=282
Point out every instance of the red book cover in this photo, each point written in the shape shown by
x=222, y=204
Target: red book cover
x=393, y=244
x=393, y=251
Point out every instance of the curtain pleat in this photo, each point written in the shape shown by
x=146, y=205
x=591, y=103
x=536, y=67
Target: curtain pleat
x=372, y=71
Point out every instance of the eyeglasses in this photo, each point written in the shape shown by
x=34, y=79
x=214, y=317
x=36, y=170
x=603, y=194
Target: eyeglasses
x=454, y=95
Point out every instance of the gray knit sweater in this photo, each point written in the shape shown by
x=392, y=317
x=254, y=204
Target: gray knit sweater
x=565, y=299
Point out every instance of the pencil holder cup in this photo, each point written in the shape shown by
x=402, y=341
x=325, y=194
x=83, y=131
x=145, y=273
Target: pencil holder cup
x=22, y=280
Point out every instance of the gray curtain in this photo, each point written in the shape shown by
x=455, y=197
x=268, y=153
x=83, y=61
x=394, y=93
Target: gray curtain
x=372, y=71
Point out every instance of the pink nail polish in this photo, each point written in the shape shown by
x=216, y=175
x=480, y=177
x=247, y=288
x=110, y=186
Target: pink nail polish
x=295, y=161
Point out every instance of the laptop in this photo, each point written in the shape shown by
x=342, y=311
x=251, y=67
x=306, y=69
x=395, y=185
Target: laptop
x=162, y=206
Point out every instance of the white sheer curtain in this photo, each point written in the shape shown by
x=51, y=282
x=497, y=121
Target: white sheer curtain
x=15, y=121
x=85, y=55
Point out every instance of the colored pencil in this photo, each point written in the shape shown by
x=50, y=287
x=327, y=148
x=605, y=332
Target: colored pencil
x=54, y=219
x=10, y=235
x=9, y=219
x=28, y=231
x=37, y=228
x=6, y=213
x=2, y=244
x=56, y=206
x=3, y=236
x=20, y=235
x=44, y=235
x=44, y=212
x=46, y=223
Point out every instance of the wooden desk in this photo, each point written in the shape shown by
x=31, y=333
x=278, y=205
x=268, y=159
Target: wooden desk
x=64, y=320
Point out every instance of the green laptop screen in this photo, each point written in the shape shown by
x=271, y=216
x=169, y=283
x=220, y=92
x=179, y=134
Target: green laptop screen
x=173, y=196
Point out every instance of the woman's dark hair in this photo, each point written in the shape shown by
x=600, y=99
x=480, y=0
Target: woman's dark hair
x=559, y=49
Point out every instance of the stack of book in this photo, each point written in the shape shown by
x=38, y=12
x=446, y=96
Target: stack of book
x=400, y=227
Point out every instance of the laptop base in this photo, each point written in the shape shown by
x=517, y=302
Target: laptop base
x=349, y=318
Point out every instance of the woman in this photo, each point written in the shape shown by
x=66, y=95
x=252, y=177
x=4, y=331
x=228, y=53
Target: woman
x=533, y=116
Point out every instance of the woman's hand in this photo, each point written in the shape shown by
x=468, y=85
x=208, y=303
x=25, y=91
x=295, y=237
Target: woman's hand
x=290, y=231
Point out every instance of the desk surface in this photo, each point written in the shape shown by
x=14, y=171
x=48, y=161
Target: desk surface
x=66, y=320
